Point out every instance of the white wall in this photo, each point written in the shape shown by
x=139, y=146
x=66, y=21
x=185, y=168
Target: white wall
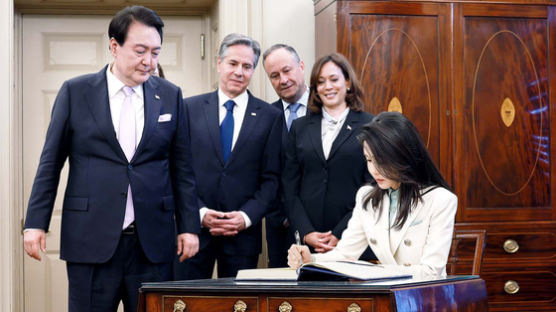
x=269, y=22
x=291, y=22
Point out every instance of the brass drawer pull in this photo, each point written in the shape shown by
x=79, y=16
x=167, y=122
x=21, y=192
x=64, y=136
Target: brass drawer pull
x=285, y=307
x=511, y=287
x=179, y=306
x=240, y=306
x=354, y=307
x=511, y=246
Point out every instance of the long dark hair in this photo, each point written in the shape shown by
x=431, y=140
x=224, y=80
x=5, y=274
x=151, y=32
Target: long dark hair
x=400, y=155
x=354, y=95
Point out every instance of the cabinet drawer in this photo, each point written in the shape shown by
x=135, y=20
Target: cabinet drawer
x=520, y=245
x=209, y=304
x=525, y=286
x=278, y=304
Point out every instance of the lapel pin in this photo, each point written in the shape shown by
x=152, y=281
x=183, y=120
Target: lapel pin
x=253, y=114
x=348, y=127
x=157, y=97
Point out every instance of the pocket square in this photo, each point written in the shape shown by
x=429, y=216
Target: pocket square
x=165, y=118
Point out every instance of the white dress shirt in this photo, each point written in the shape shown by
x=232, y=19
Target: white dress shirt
x=330, y=128
x=302, y=110
x=238, y=112
x=116, y=98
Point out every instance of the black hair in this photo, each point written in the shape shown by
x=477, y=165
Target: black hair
x=119, y=24
x=354, y=94
x=399, y=154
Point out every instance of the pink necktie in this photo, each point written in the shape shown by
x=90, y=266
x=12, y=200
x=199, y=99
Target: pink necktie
x=126, y=137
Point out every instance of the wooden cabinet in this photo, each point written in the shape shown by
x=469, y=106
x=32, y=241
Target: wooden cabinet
x=455, y=293
x=478, y=79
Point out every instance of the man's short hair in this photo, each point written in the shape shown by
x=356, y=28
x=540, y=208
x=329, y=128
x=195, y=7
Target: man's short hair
x=235, y=39
x=281, y=46
x=119, y=24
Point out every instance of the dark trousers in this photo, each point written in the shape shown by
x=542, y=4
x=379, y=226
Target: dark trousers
x=202, y=264
x=278, y=240
x=101, y=287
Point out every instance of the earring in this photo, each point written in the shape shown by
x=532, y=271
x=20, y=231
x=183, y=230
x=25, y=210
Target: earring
x=348, y=89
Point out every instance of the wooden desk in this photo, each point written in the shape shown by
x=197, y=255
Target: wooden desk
x=455, y=293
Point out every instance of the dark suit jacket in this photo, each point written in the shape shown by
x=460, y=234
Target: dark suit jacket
x=319, y=194
x=277, y=215
x=81, y=129
x=249, y=181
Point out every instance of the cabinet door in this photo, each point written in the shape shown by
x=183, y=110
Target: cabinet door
x=503, y=125
x=400, y=52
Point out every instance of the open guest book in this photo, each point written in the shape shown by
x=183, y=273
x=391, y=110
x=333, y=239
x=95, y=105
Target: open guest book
x=324, y=271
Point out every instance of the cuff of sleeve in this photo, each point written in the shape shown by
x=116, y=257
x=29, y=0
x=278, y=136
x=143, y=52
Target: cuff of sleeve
x=29, y=229
x=202, y=213
x=246, y=219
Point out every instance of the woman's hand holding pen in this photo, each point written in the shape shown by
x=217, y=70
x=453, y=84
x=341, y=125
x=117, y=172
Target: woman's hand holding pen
x=297, y=255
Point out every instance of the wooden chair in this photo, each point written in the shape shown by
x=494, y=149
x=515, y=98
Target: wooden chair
x=462, y=252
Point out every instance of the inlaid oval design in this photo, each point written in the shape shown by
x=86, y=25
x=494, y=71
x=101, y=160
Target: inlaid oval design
x=394, y=72
x=505, y=67
x=507, y=112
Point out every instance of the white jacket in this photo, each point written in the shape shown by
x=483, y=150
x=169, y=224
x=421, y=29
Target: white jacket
x=421, y=247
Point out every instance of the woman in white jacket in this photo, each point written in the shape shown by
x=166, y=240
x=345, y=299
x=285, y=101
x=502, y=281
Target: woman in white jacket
x=406, y=215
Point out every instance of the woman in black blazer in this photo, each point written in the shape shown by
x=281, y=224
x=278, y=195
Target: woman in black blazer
x=324, y=164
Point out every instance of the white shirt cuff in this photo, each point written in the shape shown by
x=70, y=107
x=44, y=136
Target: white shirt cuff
x=28, y=229
x=246, y=219
x=202, y=213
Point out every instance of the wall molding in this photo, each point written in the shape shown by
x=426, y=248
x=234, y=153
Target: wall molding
x=245, y=18
x=10, y=165
x=69, y=8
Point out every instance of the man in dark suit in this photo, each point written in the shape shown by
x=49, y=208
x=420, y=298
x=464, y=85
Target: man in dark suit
x=130, y=179
x=235, y=140
x=286, y=72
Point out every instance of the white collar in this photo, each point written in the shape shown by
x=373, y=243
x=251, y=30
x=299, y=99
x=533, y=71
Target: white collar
x=331, y=119
x=240, y=100
x=303, y=100
x=115, y=84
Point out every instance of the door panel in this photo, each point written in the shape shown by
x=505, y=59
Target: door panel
x=505, y=153
x=398, y=60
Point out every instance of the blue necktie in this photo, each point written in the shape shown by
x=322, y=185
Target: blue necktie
x=293, y=114
x=227, y=130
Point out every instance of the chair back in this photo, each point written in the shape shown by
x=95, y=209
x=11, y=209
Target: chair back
x=467, y=248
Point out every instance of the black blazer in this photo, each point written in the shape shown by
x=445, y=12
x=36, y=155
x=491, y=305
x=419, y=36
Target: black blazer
x=250, y=179
x=160, y=175
x=277, y=215
x=319, y=194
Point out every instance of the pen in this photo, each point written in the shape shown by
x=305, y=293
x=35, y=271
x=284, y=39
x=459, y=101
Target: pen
x=297, y=238
x=298, y=242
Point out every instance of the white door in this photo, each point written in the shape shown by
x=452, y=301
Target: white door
x=56, y=49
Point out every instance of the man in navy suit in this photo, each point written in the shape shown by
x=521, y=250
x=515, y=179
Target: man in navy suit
x=236, y=142
x=286, y=72
x=130, y=179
